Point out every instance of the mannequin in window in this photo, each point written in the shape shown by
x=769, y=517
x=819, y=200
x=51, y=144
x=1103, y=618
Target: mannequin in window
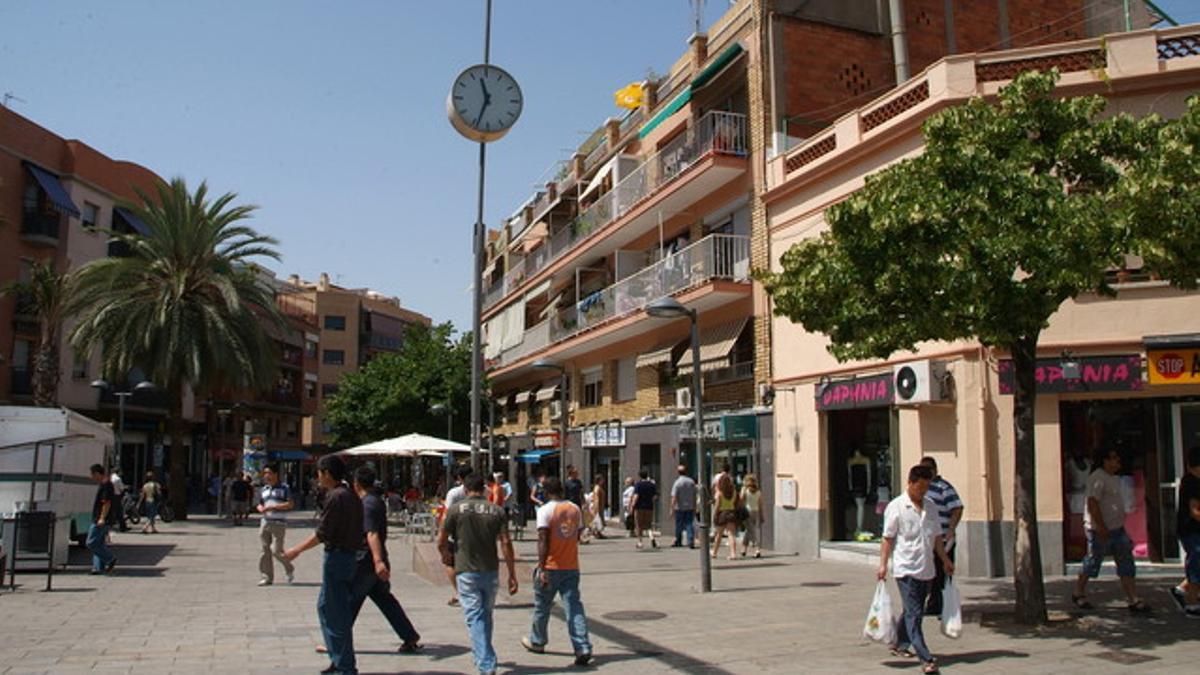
x=858, y=469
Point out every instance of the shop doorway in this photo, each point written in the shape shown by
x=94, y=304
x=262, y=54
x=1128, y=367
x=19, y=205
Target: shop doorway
x=607, y=463
x=1135, y=429
x=1185, y=425
x=862, y=471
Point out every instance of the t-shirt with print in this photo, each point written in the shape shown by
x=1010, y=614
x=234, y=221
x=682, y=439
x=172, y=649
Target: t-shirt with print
x=474, y=523
x=644, y=493
x=564, y=521
x=1105, y=488
x=275, y=495
x=914, y=531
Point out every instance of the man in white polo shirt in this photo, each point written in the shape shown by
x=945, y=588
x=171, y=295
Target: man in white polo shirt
x=912, y=536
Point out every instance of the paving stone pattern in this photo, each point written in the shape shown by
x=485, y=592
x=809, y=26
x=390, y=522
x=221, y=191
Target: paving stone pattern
x=185, y=601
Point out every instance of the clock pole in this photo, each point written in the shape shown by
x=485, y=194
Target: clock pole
x=477, y=300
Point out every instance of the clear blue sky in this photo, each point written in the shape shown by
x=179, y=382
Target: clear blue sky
x=330, y=115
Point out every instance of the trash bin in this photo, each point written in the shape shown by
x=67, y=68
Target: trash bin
x=33, y=530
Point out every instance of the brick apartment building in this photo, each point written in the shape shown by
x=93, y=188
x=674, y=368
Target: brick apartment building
x=667, y=201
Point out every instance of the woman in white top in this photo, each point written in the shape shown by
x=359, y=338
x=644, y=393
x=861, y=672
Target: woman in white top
x=626, y=511
x=752, y=501
x=151, y=491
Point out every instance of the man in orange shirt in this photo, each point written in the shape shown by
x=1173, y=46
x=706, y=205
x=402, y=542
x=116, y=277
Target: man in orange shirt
x=559, y=523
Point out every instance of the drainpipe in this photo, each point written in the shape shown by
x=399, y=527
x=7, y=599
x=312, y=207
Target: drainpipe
x=899, y=41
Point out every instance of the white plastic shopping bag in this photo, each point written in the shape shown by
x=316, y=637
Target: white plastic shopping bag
x=951, y=610
x=881, y=624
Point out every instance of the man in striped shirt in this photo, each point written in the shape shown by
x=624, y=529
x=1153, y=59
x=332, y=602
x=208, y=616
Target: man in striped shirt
x=950, y=509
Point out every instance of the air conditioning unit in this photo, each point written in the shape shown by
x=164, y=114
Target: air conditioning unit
x=921, y=382
x=683, y=398
x=555, y=409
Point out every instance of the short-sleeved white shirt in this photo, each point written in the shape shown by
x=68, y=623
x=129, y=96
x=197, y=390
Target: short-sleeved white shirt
x=914, y=531
x=1105, y=488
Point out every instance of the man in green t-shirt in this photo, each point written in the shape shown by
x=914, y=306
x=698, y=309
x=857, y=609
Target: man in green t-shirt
x=476, y=524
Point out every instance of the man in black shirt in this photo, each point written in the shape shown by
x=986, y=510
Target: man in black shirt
x=574, y=487
x=645, y=493
x=103, y=518
x=374, y=571
x=341, y=530
x=1187, y=594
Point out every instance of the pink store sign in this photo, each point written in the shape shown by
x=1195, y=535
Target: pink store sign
x=857, y=392
x=1096, y=373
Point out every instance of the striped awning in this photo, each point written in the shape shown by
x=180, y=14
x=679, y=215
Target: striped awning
x=657, y=356
x=54, y=190
x=132, y=220
x=716, y=344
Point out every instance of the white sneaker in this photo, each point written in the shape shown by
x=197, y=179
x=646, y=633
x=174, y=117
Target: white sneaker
x=291, y=577
x=264, y=582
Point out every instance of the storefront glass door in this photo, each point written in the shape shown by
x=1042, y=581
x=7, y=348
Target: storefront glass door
x=1185, y=427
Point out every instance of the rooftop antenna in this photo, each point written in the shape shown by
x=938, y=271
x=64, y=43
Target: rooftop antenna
x=9, y=96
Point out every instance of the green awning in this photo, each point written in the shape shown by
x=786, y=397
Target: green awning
x=715, y=67
x=675, y=104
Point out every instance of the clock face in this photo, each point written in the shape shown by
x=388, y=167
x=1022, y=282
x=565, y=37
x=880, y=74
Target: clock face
x=484, y=102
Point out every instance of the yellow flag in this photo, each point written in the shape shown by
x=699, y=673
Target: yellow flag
x=629, y=97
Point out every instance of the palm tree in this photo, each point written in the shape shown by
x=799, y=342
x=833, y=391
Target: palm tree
x=45, y=297
x=185, y=307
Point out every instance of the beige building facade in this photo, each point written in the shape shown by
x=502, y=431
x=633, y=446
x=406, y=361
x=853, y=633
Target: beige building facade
x=845, y=436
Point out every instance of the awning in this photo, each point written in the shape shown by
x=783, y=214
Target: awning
x=675, y=104
x=716, y=342
x=290, y=455
x=598, y=179
x=54, y=190
x=657, y=356
x=534, y=456
x=710, y=71
x=1183, y=341
x=132, y=220
x=546, y=393
x=523, y=396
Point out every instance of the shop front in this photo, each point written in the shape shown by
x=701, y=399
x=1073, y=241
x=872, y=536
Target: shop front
x=861, y=453
x=603, y=445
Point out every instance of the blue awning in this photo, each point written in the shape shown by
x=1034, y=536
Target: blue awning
x=132, y=220
x=290, y=455
x=54, y=190
x=535, y=456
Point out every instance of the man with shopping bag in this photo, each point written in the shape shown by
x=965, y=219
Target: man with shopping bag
x=912, y=536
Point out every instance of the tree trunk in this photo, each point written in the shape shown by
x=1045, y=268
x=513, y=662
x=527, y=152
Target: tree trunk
x=179, y=455
x=45, y=371
x=1027, y=556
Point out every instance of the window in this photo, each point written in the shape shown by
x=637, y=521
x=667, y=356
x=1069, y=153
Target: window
x=335, y=322
x=91, y=215
x=333, y=357
x=593, y=387
x=627, y=379
x=328, y=390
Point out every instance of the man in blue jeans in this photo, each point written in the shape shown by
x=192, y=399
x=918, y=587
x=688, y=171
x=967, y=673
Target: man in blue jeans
x=103, y=517
x=341, y=530
x=476, y=525
x=1187, y=594
x=912, y=536
x=1104, y=525
x=559, y=523
x=683, y=503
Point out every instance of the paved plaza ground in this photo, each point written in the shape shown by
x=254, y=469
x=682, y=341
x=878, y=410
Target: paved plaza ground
x=185, y=601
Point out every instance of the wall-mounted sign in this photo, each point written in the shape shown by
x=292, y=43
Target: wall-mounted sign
x=856, y=392
x=545, y=439
x=739, y=427
x=1174, y=366
x=1096, y=373
x=604, y=435
x=712, y=430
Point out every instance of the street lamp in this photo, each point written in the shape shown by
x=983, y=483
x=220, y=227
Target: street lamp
x=547, y=364
x=438, y=409
x=670, y=308
x=103, y=385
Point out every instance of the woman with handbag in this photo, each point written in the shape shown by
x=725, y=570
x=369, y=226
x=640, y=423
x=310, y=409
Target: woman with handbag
x=725, y=515
x=750, y=512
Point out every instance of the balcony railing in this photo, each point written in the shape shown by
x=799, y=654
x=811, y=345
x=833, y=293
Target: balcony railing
x=22, y=381
x=717, y=256
x=718, y=132
x=733, y=373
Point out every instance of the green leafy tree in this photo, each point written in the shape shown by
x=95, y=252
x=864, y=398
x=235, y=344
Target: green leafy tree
x=185, y=306
x=392, y=394
x=1013, y=208
x=44, y=296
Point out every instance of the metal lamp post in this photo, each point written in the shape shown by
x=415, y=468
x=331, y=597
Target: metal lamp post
x=670, y=308
x=103, y=385
x=562, y=417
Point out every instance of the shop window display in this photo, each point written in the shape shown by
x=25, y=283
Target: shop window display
x=860, y=472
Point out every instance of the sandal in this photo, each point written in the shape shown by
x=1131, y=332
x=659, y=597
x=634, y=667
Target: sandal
x=1081, y=601
x=930, y=667
x=902, y=653
x=1139, y=606
x=453, y=602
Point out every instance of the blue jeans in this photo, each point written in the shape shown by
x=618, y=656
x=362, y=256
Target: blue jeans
x=565, y=583
x=1118, y=544
x=335, y=608
x=368, y=585
x=685, y=521
x=477, y=595
x=909, y=633
x=101, y=556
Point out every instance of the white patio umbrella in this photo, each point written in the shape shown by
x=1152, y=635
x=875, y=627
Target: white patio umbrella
x=408, y=445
